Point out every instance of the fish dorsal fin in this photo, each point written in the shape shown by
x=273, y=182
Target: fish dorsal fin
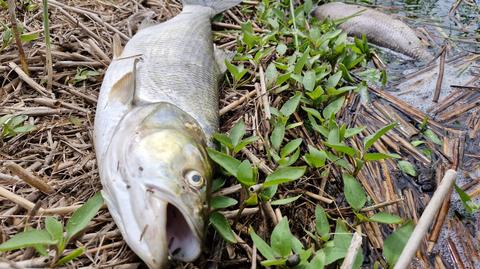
x=117, y=46
x=221, y=56
x=217, y=5
x=123, y=89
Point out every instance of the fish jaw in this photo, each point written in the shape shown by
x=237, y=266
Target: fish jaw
x=147, y=172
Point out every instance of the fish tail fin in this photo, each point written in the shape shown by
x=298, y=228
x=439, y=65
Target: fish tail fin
x=217, y=5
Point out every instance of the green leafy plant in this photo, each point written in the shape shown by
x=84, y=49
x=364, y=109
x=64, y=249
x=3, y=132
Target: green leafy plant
x=55, y=236
x=11, y=126
x=84, y=74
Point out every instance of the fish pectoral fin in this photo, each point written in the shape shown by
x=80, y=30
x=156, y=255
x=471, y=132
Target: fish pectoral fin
x=123, y=89
x=221, y=56
x=117, y=46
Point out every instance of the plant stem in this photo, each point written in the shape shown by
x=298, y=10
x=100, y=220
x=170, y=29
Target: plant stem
x=48, y=48
x=292, y=10
x=16, y=34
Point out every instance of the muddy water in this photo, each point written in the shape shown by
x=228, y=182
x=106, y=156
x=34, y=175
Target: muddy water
x=431, y=20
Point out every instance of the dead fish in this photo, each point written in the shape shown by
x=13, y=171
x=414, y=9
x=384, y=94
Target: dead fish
x=156, y=112
x=379, y=28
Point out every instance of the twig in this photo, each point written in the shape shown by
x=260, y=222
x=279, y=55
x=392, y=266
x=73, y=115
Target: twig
x=16, y=34
x=234, y=104
x=29, y=178
x=438, y=87
x=230, y=190
x=48, y=46
x=16, y=199
x=234, y=213
x=426, y=220
x=384, y=204
x=264, y=94
x=352, y=251
x=25, y=77
x=318, y=197
x=91, y=15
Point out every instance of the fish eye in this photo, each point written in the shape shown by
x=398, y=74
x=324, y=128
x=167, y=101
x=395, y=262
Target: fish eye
x=194, y=178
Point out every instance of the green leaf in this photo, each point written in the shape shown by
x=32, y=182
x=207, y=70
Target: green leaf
x=281, y=240
x=237, y=132
x=281, y=48
x=54, y=228
x=342, y=148
x=309, y=80
x=262, y=247
x=291, y=105
x=467, y=202
x=245, y=173
x=268, y=263
x=430, y=135
x=290, y=147
x=338, y=248
x=321, y=223
x=380, y=156
x=24, y=129
x=333, y=107
x=82, y=216
x=354, y=192
x=28, y=238
x=407, y=168
x=369, y=140
x=353, y=131
x=222, y=202
x=220, y=223
x=333, y=80
x=243, y=143
x=41, y=249
x=417, y=143
x=271, y=74
x=277, y=134
x=28, y=37
x=315, y=158
x=285, y=201
x=227, y=162
x=318, y=262
x=217, y=184
x=72, y=255
x=386, y=218
x=284, y=174
x=223, y=139
x=394, y=244
x=301, y=61
x=237, y=71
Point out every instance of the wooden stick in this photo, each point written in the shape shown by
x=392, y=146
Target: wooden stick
x=29, y=178
x=426, y=220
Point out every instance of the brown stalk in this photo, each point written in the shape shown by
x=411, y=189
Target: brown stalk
x=13, y=19
x=441, y=72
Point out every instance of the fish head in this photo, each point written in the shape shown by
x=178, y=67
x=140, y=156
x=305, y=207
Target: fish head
x=158, y=193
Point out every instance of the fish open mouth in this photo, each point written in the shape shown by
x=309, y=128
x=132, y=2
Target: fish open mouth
x=183, y=243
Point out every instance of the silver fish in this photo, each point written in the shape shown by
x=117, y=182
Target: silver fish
x=379, y=28
x=157, y=109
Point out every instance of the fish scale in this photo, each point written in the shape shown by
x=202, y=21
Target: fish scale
x=179, y=68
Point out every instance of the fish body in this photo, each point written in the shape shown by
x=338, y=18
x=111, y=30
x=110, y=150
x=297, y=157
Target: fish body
x=156, y=112
x=379, y=28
